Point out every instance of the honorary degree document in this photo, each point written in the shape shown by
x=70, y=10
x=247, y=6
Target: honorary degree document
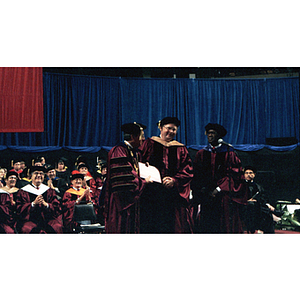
x=149, y=171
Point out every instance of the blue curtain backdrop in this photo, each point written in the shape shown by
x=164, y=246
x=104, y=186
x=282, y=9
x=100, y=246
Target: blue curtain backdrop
x=84, y=113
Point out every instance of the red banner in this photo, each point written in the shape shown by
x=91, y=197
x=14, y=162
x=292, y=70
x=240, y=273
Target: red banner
x=21, y=100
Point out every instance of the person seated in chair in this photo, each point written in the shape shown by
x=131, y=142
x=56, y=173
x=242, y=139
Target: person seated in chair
x=25, y=178
x=62, y=170
x=56, y=183
x=3, y=172
x=75, y=195
x=88, y=181
x=8, y=203
x=16, y=164
x=259, y=213
x=100, y=177
x=38, y=209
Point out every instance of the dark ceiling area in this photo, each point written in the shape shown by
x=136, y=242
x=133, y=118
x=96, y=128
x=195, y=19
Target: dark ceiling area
x=179, y=72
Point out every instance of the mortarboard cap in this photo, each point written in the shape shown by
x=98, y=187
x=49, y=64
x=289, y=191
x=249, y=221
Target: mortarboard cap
x=62, y=159
x=250, y=168
x=50, y=167
x=82, y=165
x=217, y=127
x=37, y=168
x=169, y=120
x=133, y=128
x=75, y=174
x=11, y=173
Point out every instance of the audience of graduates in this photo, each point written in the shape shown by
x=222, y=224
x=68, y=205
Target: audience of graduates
x=41, y=198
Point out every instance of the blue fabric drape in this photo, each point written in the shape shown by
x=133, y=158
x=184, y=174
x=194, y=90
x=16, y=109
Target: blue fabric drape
x=250, y=148
x=84, y=113
x=282, y=107
x=79, y=111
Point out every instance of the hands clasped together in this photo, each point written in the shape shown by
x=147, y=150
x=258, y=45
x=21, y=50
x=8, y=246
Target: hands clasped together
x=39, y=200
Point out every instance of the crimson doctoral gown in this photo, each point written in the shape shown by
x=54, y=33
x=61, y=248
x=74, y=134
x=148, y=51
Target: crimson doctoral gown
x=219, y=167
x=38, y=218
x=168, y=209
x=122, y=191
x=68, y=204
x=7, y=212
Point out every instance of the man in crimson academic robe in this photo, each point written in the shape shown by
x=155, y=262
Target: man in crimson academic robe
x=8, y=203
x=217, y=203
x=38, y=208
x=75, y=195
x=166, y=205
x=123, y=184
x=88, y=181
x=17, y=166
x=6, y=213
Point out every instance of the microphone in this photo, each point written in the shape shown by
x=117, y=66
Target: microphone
x=220, y=141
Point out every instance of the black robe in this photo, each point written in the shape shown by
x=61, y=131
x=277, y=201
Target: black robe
x=258, y=215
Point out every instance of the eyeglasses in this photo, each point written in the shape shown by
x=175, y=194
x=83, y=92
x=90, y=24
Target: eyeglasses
x=38, y=173
x=174, y=129
x=77, y=180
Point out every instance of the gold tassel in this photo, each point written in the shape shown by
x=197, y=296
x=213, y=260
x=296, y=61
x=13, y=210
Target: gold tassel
x=158, y=124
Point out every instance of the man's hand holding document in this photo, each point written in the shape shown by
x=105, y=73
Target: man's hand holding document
x=149, y=172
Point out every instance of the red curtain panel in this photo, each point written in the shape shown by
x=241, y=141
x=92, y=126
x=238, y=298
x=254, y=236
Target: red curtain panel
x=21, y=99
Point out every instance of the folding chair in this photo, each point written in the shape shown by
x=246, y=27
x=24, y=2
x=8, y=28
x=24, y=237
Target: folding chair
x=85, y=216
x=290, y=219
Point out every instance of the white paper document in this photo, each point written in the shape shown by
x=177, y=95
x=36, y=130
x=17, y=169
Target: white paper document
x=149, y=171
x=291, y=208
